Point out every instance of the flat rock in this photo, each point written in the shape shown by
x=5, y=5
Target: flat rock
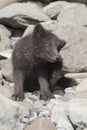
x=21, y=14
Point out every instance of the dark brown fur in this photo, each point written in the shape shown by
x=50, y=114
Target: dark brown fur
x=37, y=55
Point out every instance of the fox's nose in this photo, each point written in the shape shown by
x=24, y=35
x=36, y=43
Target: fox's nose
x=63, y=43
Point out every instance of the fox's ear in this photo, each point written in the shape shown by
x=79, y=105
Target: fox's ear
x=39, y=31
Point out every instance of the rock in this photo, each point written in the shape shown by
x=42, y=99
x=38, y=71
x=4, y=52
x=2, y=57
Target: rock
x=60, y=128
x=77, y=112
x=27, y=103
x=31, y=96
x=39, y=104
x=21, y=14
x=53, y=9
x=79, y=1
x=4, y=38
x=4, y=3
x=76, y=75
x=11, y=113
x=59, y=116
x=6, y=69
x=0, y=75
x=28, y=30
x=69, y=94
x=41, y=123
x=6, y=54
x=45, y=113
x=75, y=13
x=75, y=48
x=6, y=90
x=82, y=87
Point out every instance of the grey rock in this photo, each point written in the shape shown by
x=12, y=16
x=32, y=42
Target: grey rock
x=76, y=14
x=74, y=53
x=11, y=113
x=59, y=116
x=4, y=38
x=6, y=69
x=77, y=111
x=21, y=14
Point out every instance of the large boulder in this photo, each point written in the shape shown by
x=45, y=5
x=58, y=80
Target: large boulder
x=4, y=3
x=75, y=13
x=21, y=14
x=75, y=51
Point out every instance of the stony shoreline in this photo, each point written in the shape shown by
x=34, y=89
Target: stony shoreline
x=68, y=111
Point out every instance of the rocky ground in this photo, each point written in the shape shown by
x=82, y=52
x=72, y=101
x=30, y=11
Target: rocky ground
x=68, y=111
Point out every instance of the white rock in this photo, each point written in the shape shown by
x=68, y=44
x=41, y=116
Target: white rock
x=10, y=113
x=6, y=69
x=74, y=53
x=54, y=8
x=77, y=111
x=6, y=54
x=82, y=87
x=76, y=14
